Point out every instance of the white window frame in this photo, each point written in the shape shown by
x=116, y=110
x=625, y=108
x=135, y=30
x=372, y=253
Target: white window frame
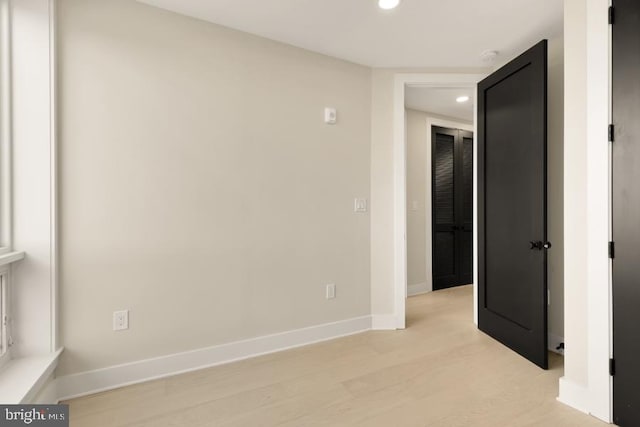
x=28, y=222
x=5, y=317
x=5, y=129
x=5, y=178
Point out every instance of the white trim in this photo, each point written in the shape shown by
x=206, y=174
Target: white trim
x=475, y=206
x=6, y=197
x=5, y=331
x=24, y=378
x=428, y=208
x=33, y=173
x=591, y=363
x=598, y=211
x=85, y=383
x=400, y=178
x=11, y=257
x=400, y=204
x=383, y=322
x=46, y=372
x=418, y=289
x=53, y=88
x=574, y=395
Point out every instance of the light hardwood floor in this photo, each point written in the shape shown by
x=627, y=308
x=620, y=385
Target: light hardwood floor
x=440, y=371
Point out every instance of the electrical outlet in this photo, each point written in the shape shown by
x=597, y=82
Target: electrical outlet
x=331, y=291
x=120, y=320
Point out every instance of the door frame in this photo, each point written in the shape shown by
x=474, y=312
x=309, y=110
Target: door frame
x=586, y=384
x=428, y=205
x=401, y=82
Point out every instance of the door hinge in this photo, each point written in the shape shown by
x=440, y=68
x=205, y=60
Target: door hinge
x=612, y=130
x=612, y=367
x=612, y=15
x=612, y=250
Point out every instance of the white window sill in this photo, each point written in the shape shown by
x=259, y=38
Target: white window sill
x=10, y=257
x=22, y=379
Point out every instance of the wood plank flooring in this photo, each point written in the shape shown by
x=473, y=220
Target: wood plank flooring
x=440, y=371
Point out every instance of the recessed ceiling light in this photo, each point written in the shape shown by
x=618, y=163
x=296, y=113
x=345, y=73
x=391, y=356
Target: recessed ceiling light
x=388, y=4
x=462, y=99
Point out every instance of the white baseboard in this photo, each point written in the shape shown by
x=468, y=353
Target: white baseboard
x=383, y=322
x=418, y=289
x=91, y=382
x=574, y=395
x=553, y=341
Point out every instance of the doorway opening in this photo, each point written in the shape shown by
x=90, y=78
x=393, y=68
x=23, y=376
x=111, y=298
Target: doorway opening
x=404, y=84
x=414, y=269
x=440, y=182
x=527, y=92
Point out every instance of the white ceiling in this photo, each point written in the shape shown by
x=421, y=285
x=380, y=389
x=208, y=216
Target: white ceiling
x=441, y=101
x=419, y=33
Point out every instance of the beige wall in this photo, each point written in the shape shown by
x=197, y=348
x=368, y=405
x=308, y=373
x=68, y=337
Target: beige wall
x=416, y=192
x=382, y=291
x=200, y=187
x=201, y=190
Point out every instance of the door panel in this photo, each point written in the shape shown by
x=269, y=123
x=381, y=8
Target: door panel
x=467, y=175
x=466, y=245
x=445, y=265
x=444, y=178
x=452, y=185
x=512, y=204
x=466, y=266
x=626, y=211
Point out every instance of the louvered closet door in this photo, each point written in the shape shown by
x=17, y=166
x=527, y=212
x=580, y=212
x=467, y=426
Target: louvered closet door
x=452, y=207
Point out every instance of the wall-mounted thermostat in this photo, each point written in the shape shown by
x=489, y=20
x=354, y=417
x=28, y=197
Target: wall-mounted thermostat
x=330, y=116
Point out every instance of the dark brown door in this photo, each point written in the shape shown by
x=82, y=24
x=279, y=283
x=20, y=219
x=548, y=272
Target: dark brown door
x=626, y=211
x=512, y=205
x=452, y=207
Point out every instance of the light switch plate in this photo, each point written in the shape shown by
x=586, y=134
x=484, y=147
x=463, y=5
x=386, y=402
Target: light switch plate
x=360, y=205
x=331, y=291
